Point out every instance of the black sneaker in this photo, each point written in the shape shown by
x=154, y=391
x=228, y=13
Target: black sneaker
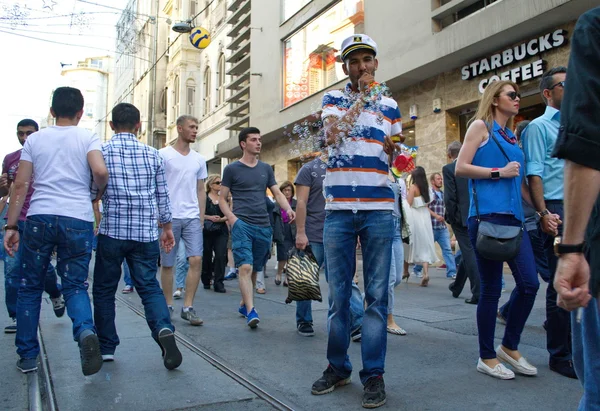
x=356, y=335
x=374, y=395
x=306, y=329
x=89, y=351
x=26, y=365
x=12, y=327
x=328, y=381
x=58, y=304
x=171, y=354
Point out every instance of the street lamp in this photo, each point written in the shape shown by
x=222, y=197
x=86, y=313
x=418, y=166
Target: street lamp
x=182, y=27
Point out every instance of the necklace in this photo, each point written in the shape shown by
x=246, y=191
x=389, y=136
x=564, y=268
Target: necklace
x=510, y=140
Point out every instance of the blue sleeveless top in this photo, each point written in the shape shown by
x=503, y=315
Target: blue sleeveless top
x=498, y=196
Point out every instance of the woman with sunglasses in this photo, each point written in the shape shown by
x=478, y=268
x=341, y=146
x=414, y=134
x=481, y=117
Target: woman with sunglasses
x=215, y=235
x=497, y=188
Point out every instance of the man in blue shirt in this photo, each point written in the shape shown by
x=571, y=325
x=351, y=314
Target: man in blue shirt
x=545, y=177
x=136, y=198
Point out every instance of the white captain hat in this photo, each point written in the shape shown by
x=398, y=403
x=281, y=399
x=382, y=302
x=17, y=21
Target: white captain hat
x=357, y=42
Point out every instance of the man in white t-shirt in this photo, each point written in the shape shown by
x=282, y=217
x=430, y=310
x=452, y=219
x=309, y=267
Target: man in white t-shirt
x=185, y=170
x=65, y=158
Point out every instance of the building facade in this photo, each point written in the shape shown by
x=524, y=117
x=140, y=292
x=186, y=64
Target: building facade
x=435, y=56
x=196, y=79
x=93, y=77
x=140, y=72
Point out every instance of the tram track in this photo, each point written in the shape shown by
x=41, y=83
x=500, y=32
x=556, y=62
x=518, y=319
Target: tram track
x=218, y=364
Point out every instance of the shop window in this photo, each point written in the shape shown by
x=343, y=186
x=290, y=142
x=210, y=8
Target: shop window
x=291, y=7
x=310, y=63
x=409, y=135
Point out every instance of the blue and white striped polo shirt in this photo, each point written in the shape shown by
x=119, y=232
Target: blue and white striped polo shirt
x=357, y=170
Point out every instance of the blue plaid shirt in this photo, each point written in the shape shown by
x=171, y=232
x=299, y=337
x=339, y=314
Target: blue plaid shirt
x=137, y=196
x=437, y=206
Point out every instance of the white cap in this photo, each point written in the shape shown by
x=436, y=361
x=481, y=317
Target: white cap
x=357, y=42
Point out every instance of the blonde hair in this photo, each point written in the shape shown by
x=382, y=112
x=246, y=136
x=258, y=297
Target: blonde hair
x=486, y=109
x=210, y=180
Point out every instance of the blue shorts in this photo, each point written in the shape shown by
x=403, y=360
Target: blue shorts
x=250, y=244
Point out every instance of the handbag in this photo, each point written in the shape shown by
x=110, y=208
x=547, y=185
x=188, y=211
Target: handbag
x=211, y=226
x=302, y=272
x=497, y=242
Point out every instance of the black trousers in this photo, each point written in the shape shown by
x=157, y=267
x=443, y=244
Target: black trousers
x=558, y=321
x=215, y=242
x=468, y=266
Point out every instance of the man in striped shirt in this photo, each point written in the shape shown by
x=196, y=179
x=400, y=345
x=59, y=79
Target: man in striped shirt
x=135, y=200
x=359, y=122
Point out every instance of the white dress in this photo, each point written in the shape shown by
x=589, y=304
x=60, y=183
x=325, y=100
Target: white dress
x=422, y=246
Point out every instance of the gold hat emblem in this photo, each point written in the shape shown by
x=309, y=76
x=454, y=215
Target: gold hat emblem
x=357, y=39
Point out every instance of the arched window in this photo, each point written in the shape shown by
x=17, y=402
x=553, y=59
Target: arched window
x=190, y=87
x=221, y=80
x=175, y=98
x=207, y=89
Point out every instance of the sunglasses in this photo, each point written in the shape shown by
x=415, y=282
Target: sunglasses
x=217, y=183
x=513, y=95
x=25, y=133
x=560, y=83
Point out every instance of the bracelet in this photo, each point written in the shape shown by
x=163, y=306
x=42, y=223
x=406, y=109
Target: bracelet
x=11, y=227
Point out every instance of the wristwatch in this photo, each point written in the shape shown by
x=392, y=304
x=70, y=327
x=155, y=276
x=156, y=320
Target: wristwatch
x=560, y=248
x=541, y=214
x=495, y=174
x=11, y=227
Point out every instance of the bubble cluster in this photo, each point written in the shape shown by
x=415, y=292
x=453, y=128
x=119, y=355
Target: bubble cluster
x=308, y=136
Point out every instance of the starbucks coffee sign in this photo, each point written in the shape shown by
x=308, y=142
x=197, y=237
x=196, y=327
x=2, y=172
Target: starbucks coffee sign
x=508, y=57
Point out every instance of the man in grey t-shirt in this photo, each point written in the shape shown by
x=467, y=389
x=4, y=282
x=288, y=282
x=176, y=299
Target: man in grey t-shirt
x=251, y=233
x=310, y=220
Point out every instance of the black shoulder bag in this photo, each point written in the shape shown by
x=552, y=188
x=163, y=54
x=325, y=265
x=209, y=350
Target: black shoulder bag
x=496, y=241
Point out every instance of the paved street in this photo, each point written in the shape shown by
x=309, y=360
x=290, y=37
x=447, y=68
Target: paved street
x=432, y=368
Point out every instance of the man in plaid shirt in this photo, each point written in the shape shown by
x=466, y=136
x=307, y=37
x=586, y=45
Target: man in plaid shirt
x=135, y=200
x=437, y=209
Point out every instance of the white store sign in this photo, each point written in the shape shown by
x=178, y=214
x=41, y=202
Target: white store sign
x=509, y=56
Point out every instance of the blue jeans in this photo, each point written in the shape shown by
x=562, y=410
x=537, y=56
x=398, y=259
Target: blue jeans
x=126, y=274
x=13, y=277
x=586, y=355
x=375, y=230
x=73, y=239
x=357, y=309
x=397, y=264
x=442, y=237
x=182, y=266
x=490, y=272
x=541, y=264
x=141, y=258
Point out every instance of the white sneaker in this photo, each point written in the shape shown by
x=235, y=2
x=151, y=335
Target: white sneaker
x=499, y=371
x=108, y=357
x=177, y=294
x=522, y=366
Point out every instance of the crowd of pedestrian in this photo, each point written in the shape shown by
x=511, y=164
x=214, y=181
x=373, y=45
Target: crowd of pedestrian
x=139, y=208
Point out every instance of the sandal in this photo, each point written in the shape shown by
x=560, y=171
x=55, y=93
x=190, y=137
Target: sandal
x=406, y=276
x=277, y=281
x=396, y=331
x=425, y=281
x=261, y=291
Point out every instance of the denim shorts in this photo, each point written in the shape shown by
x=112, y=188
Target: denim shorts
x=250, y=244
x=190, y=231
